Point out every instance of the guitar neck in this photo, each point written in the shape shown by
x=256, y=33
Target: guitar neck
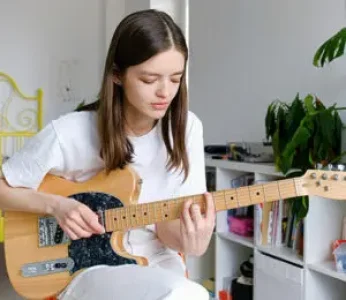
x=119, y=219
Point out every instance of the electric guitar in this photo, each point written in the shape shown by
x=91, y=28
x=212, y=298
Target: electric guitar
x=41, y=260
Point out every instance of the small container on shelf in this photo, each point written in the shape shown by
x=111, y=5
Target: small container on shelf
x=225, y=293
x=241, y=225
x=339, y=252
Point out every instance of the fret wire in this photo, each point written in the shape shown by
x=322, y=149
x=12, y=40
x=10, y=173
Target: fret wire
x=123, y=225
x=142, y=213
x=264, y=194
x=224, y=197
x=278, y=189
x=163, y=215
x=130, y=216
x=248, y=189
x=176, y=204
x=295, y=188
x=134, y=216
x=155, y=211
x=148, y=212
x=154, y=205
x=119, y=220
x=110, y=217
x=107, y=218
x=127, y=218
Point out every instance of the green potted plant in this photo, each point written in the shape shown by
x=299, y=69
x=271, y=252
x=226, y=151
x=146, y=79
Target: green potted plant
x=303, y=133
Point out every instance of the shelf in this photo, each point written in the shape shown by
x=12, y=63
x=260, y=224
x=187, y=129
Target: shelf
x=245, y=241
x=267, y=169
x=282, y=252
x=327, y=268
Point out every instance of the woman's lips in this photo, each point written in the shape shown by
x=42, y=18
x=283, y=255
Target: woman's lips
x=160, y=105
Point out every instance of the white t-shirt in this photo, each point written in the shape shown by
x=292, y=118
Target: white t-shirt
x=69, y=147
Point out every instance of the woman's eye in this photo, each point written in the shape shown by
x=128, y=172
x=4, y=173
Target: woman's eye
x=148, y=81
x=176, y=80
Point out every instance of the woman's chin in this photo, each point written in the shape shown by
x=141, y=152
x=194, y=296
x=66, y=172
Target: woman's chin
x=157, y=114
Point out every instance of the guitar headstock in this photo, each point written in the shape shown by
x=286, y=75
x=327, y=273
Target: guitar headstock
x=330, y=184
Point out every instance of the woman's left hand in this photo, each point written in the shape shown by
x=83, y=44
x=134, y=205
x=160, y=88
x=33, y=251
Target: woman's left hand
x=196, y=229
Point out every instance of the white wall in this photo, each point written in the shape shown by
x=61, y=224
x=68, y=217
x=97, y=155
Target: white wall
x=175, y=8
x=244, y=54
x=115, y=11
x=134, y=5
x=49, y=44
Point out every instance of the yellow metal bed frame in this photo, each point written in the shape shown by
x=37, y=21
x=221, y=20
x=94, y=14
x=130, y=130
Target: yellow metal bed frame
x=20, y=119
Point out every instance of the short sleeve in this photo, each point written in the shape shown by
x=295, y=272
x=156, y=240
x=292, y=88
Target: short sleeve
x=196, y=181
x=40, y=154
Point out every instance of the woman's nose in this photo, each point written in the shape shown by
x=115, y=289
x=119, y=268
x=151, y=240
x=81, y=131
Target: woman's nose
x=163, y=90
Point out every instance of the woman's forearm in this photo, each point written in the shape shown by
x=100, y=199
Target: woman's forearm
x=169, y=234
x=24, y=199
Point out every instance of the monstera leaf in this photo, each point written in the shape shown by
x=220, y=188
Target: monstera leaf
x=331, y=49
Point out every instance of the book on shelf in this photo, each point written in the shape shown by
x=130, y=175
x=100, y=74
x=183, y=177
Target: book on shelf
x=277, y=226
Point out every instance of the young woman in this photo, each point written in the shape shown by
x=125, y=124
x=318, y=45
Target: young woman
x=141, y=119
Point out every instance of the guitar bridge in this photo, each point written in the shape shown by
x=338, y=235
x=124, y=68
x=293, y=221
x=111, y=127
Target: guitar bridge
x=47, y=267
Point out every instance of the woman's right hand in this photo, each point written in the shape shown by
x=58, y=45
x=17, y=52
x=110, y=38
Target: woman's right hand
x=76, y=219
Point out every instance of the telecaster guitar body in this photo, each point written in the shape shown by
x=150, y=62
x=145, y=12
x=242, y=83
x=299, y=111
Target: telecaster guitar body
x=37, y=272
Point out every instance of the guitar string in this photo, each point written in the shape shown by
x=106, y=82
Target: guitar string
x=157, y=207
x=182, y=200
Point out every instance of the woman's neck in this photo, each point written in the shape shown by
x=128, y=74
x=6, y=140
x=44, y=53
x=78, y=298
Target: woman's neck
x=138, y=125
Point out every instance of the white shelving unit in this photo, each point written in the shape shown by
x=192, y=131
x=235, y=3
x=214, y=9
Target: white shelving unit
x=280, y=273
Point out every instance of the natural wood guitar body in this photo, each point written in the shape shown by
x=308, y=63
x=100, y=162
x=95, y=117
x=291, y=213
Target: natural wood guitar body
x=21, y=233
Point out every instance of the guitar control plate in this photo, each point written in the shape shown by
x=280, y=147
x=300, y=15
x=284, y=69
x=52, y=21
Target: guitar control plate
x=47, y=267
x=50, y=233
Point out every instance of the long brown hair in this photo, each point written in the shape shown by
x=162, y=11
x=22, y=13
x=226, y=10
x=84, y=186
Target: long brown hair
x=138, y=37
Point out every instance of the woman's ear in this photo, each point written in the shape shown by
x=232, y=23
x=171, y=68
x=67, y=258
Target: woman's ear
x=116, y=80
x=116, y=75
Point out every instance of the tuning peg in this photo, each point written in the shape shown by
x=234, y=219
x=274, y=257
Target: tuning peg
x=326, y=188
x=335, y=176
x=324, y=176
x=341, y=167
x=313, y=175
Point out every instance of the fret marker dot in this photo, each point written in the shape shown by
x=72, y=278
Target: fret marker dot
x=145, y=213
x=232, y=198
x=124, y=217
x=115, y=219
x=257, y=193
x=166, y=215
x=134, y=216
